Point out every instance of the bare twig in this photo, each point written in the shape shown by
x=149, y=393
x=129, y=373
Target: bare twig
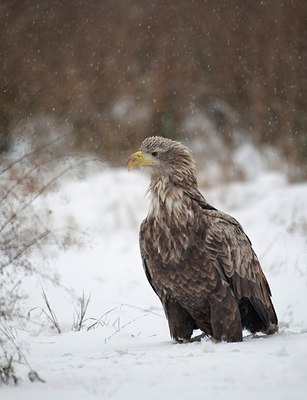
x=100, y=320
x=26, y=247
x=28, y=155
x=123, y=326
x=45, y=187
x=7, y=372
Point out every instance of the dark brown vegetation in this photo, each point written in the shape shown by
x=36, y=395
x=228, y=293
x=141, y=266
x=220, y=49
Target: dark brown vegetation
x=118, y=71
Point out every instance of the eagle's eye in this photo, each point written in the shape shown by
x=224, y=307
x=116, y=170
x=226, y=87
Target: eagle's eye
x=154, y=153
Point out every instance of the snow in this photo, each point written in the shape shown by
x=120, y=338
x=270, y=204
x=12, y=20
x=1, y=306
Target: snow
x=128, y=354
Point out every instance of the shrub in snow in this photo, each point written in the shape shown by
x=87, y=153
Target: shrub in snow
x=23, y=178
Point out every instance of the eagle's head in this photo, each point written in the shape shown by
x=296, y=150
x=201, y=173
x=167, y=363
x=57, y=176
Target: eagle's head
x=165, y=158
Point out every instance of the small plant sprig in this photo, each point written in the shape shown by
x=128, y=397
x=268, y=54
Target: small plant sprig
x=49, y=313
x=80, y=313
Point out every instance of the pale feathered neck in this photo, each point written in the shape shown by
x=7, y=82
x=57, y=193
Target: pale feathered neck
x=168, y=199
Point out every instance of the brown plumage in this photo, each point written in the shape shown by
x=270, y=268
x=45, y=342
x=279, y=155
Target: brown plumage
x=197, y=259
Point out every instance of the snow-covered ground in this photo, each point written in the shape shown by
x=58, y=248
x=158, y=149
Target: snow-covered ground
x=128, y=352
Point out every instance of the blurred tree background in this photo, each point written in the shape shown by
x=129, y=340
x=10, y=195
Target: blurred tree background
x=105, y=74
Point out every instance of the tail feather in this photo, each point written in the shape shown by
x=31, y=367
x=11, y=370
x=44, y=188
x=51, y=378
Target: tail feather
x=258, y=317
x=265, y=311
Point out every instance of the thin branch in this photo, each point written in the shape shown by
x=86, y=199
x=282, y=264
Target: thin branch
x=25, y=205
x=123, y=326
x=98, y=321
x=25, y=248
x=28, y=155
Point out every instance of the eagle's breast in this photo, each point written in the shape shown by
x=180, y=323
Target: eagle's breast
x=170, y=222
x=173, y=246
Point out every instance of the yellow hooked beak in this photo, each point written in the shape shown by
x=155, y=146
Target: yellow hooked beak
x=140, y=159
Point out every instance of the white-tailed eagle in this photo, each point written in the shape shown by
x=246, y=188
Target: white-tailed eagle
x=197, y=259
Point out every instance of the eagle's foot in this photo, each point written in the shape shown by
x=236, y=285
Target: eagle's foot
x=183, y=340
x=197, y=338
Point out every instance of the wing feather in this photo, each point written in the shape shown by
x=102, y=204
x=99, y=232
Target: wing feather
x=143, y=229
x=231, y=252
